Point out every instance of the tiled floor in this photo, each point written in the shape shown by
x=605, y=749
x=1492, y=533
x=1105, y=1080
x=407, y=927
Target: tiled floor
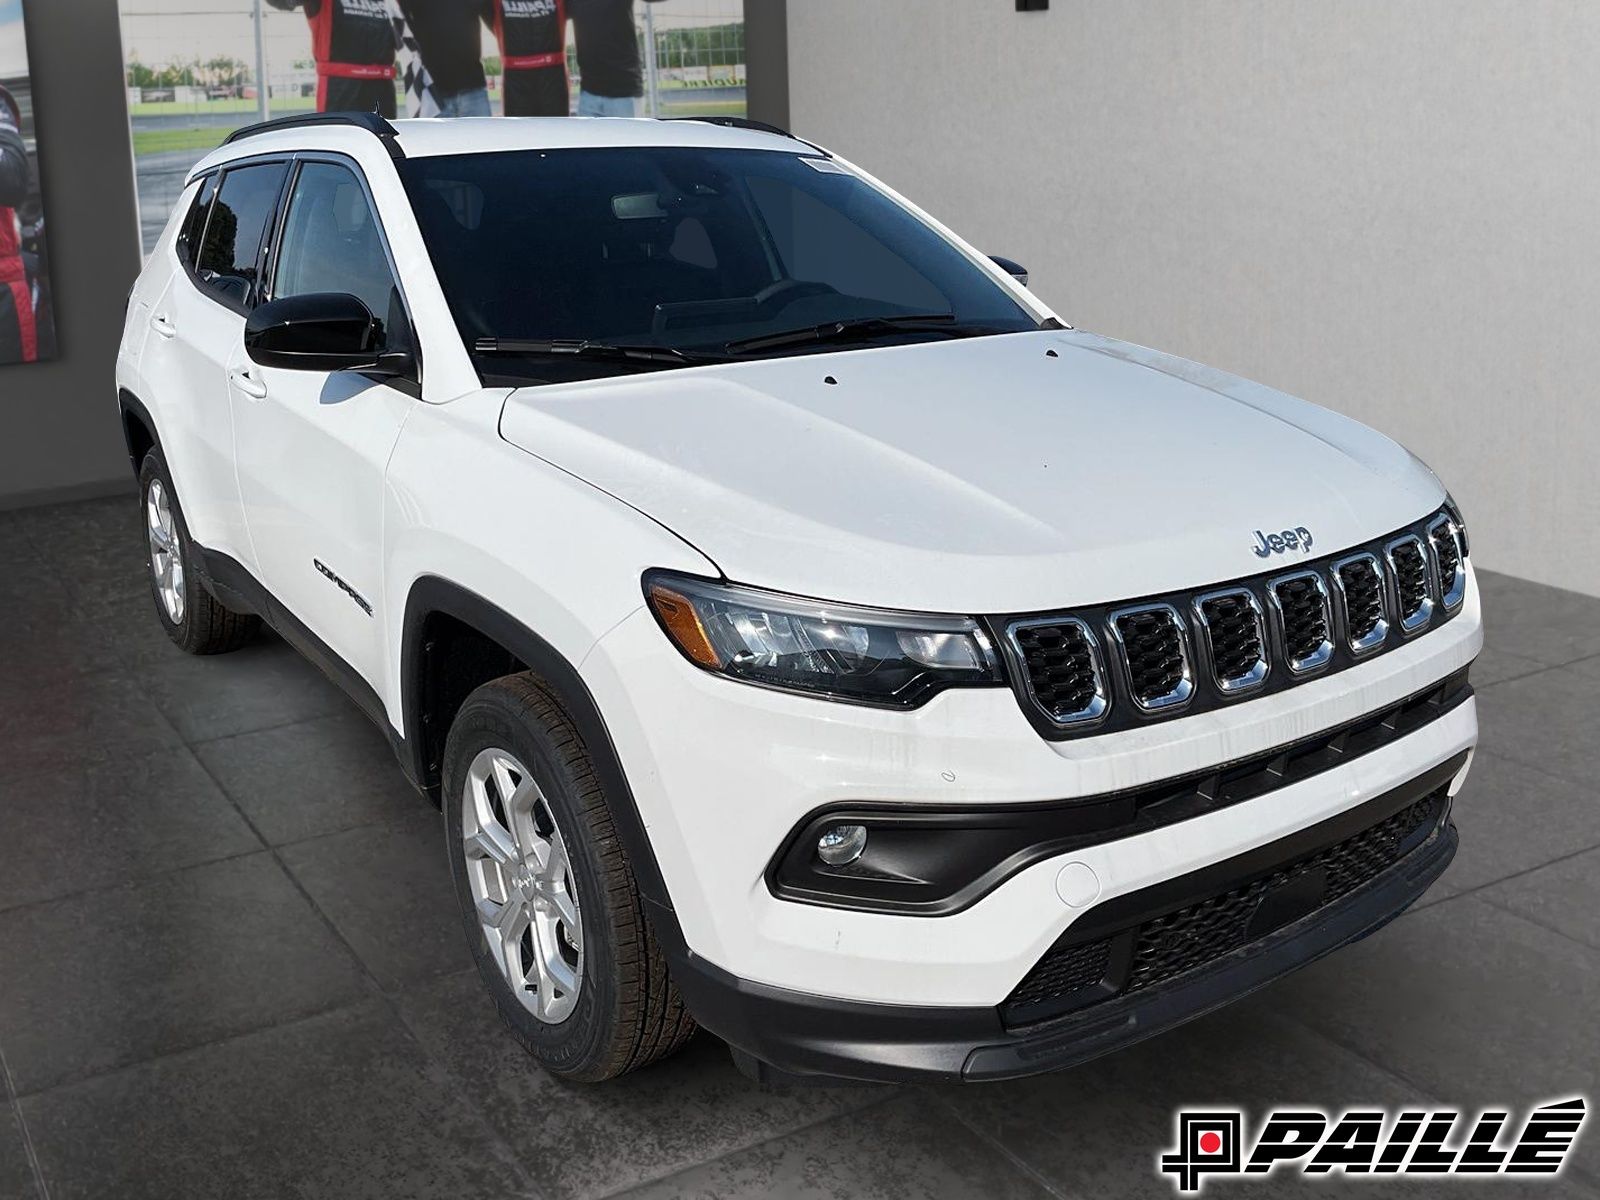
x=230, y=965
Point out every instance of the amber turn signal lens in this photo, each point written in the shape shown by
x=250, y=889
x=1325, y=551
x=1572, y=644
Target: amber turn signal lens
x=682, y=622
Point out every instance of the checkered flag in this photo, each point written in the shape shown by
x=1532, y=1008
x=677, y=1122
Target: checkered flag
x=420, y=98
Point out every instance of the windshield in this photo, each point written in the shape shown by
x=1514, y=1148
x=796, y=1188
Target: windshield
x=561, y=264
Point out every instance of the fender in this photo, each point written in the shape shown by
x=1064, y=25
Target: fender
x=129, y=404
x=433, y=594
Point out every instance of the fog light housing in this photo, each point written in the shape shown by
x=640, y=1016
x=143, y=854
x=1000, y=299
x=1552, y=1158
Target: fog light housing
x=841, y=844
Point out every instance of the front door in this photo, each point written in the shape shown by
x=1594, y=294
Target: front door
x=312, y=446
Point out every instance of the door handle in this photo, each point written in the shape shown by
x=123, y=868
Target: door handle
x=163, y=325
x=248, y=384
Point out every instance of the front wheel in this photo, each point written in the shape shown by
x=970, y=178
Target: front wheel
x=548, y=898
x=192, y=616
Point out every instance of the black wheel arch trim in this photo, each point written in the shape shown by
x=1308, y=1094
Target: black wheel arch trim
x=432, y=594
x=130, y=405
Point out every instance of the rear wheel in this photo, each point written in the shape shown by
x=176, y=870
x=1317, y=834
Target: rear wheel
x=548, y=898
x=192, y=617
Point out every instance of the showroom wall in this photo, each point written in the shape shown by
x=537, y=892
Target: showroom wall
x=61, y=437
x=1389, y=209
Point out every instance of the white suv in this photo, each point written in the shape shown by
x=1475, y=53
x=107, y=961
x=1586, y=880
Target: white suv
x=807, y=635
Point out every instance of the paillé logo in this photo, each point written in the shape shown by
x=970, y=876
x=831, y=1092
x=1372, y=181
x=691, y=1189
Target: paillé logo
x=1372, y=1142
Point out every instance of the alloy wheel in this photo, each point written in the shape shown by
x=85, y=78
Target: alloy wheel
x=522, y=885
x=166, y=552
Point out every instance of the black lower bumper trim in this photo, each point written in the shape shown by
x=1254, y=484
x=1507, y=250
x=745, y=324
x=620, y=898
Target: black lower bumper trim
x=786, y=1035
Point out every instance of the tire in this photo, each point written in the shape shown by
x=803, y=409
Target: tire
x=193, y=619
x=608, y=1005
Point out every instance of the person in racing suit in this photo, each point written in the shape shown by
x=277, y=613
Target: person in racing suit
x=353, y=43
x=532, y=35
x=19, y=339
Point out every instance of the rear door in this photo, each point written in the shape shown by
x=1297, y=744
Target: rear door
x=312, y=446
x=194, y=327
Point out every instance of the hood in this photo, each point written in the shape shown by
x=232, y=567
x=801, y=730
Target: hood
x=990, y=475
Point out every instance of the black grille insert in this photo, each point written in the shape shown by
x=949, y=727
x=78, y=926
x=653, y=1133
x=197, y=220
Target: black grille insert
x=1154, y=653
x=1361, y=584
x=1410, y=579
x=1060, y=660
x=1303, y=606
x=1236, y=639
x=1183, y=939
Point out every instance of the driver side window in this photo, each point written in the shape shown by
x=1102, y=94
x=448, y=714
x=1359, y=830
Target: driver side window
x=331, y=243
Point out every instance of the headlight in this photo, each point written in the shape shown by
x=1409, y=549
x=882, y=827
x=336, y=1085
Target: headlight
x=868, y=656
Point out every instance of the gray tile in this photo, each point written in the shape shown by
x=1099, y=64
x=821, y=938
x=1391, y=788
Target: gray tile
x=1513, y=818
x=1545, y=720
x=1470, y=1003
x=1563, y=896
x=101, y=980
x=96, y=827
x=1533, y=620
x=1098, y=1130
x=342, y=1106
x=262, y=686
x=591, y=1141
x=905, y=1148
x=387, y=890
x=312, y=778
x=137, y=637
x=1496, y=666
x=16, y=1172
x=72, y=720
x=43, y=638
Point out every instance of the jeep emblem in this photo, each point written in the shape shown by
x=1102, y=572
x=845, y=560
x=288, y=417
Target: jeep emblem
x=1267, y=544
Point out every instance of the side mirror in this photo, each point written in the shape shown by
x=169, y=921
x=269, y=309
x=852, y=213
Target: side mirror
x=1014, y=269
x=321, y=331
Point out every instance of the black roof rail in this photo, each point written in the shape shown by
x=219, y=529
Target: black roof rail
x=747, y=123
x=372, y=122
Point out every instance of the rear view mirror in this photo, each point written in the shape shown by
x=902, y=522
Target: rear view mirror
x=320, y=331
x=1014, y=269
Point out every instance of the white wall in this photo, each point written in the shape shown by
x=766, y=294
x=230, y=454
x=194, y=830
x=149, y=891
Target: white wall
x=1390, y=208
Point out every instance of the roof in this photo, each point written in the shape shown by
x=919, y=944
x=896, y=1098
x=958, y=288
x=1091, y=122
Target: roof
x=424, y=138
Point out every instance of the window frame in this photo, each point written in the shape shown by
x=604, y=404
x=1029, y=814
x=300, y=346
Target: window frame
x=252, y=299
x=273, y=244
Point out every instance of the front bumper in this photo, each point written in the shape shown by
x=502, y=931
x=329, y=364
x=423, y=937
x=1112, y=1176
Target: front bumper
x=721, y=774
x=779, y=1035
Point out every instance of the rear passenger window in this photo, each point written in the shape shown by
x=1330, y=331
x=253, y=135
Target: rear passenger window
x=194, y=223
x=230, y=254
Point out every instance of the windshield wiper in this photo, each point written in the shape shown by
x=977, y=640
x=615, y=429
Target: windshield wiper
x=844, y=331
x=582, y=348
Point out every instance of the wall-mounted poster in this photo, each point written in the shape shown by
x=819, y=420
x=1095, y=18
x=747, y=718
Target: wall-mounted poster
x=27, y=331
x=198, y=69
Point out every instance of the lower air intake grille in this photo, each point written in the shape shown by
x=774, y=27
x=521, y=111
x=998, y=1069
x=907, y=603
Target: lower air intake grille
x=1075, y=976
x=1361, y=583
x=1303, y=604
x=1411, y=579
x=1060, y=661
x=1153, y=651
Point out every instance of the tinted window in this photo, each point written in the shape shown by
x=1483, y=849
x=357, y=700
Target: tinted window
x=230, y=253
x=194, y=223
x=684, y=248
x=331, y=242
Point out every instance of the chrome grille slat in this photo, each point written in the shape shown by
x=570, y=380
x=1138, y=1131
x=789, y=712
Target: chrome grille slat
x=1304, y=620
x=1235, y=633
x=1363, y=601
x=1444, y=542
x=1408, y=564
x=1154, y=650
x=1061, y=658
